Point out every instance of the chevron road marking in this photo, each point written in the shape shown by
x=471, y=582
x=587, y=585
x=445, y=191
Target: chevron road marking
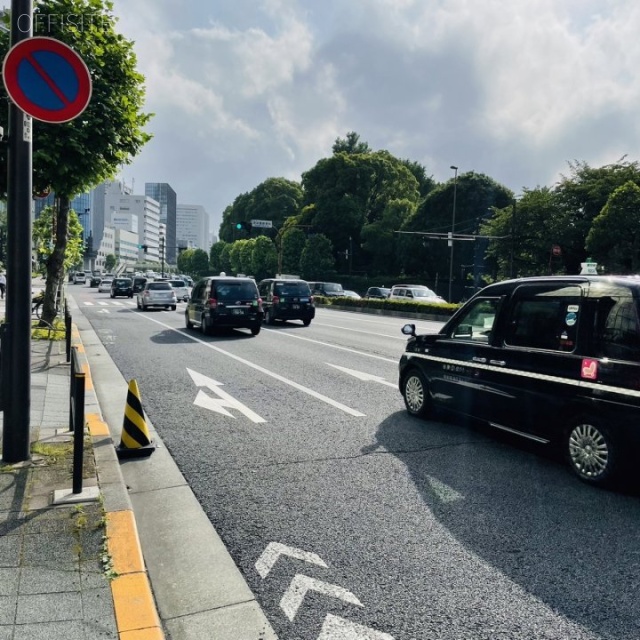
x=225, y=400
x=276, y=549
x=367, y=377
x=294, y=595
x=335, y=628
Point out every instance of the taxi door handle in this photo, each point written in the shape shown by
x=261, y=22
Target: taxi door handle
x=498, y=363
x=480, y=360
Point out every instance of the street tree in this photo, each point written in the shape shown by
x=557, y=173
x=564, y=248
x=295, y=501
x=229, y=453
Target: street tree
x=215, y=253
x=43, y=239
x=199, y=263
x=614, y=238
x=350, y=144
x=73, y=157
x=110, y=262
x=264, y=258
x=293, y=241
x=317, y=261
x=185, y=262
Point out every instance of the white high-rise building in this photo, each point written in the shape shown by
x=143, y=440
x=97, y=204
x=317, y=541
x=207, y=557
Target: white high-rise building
x=192, y=227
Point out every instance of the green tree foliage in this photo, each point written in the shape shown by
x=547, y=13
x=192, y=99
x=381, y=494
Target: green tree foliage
x=350, y=144
x=73, y=157
x=185, y=262
x=614, y=238
x=110, y=262
x=293, y=242
x=225, y=258
x=199, y=263
x=275, y=199
x=317, y=261
x=581, y=197
x=240, y=256
x=215, y=253
x=350, y=190
x=43, y=238
x=264, y=258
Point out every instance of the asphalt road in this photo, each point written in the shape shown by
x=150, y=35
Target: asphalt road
x=351, y=520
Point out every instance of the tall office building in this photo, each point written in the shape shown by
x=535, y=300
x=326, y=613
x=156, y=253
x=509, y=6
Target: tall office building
x=166, y=196
x=193, y=227
x=80, y=204
x=105, y=200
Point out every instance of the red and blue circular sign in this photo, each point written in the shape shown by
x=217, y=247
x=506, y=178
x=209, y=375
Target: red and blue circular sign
x=47, y=79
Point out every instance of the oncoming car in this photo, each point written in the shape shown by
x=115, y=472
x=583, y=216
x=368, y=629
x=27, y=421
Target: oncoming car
x=555, y=360
x=157, y=294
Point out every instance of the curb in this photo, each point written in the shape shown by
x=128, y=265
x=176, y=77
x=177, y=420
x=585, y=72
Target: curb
x=134, y=605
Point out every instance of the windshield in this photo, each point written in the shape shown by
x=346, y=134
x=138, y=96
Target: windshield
x=159, y=286
x=177, y=283
x=423, y=293
x=123, y=282
x=333, y=287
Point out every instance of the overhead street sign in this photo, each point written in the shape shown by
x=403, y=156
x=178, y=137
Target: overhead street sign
x=47, y=79
x=262, y=224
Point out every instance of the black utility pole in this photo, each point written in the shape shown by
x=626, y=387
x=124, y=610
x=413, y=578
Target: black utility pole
x=162, y=253
x=16, y=347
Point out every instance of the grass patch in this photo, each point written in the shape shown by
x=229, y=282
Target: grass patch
x=53, y=451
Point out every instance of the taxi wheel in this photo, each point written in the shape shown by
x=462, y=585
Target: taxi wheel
x=187, y=322
x=416, y=394
x=306, y=323
x=591, y=452
x=255, y=330
x=203, y=326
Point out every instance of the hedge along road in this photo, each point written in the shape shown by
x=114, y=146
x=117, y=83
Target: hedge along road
x=409, y=528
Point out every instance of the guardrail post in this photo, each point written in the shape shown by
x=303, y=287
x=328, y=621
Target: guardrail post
x=77, y=420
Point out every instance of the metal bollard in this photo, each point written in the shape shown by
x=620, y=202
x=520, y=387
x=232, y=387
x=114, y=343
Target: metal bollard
x=76, y=419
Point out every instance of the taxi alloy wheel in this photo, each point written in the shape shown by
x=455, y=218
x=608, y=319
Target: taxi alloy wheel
x=416, y=394
x=590, y=452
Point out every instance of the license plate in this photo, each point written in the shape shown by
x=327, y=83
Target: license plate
x=237, y=312
x=295, y=306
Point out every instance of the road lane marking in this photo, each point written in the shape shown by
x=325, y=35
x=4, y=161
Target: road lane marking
x=370, y=333
x=257, y=367
x=361, y=375
x=274, y=550
x=294, y=595
x=333, y=346
x=336, y=628
x=225, y=400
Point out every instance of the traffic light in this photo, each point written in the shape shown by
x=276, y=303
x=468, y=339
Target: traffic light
x=244, y=225
x=143, y=246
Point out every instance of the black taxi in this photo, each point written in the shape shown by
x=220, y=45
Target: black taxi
x=553, y=359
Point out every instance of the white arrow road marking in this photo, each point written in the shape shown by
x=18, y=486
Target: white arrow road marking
x=361, y=375
x=203, y=400
x=335, y=628
x=294, y=595
x=103, y=310
x=276, y=549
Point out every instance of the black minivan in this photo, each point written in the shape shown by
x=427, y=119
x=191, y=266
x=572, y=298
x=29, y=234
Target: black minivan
x=287, y=299
x=224, y=301
x=553, y=359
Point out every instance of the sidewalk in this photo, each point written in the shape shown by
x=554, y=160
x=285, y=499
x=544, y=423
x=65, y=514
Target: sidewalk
x=74, y=570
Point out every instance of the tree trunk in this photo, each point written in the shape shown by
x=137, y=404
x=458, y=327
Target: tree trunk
x=55, y=263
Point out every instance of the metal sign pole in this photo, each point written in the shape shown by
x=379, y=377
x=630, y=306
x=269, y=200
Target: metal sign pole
x=15, y=436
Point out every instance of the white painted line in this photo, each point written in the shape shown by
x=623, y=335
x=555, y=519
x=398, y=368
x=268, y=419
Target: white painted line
x=361, y=375
x=103, y=311
x=88, y=304
x=274, y=550
x=267, y=372
x=400, y=336
x=207, y=402
x=294, y=595
x=103, y=304
x=333, y=346
x=335, y=628
x=117, y=303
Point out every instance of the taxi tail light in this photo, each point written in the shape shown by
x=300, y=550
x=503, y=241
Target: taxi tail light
x=213, y=303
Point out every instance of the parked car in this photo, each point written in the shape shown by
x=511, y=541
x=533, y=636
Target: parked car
x=79, y=278
x=327, y=289
x=122, y=287
x=183, y=292
x=348, y=293
x=415, y=293
x=381, y=293
x=555, y=360
x=105, y=285
x=224, y=301
x=157, y=294
x=284, y=299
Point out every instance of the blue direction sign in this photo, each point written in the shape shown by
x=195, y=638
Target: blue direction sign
x=47, y=79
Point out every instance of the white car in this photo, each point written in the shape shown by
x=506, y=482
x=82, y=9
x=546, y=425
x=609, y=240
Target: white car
x=183, y=292
x=348, y=293
x=79, y=278
x=105, y=285
x=415, y=293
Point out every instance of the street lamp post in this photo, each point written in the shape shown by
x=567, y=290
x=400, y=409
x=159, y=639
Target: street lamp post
x=453, y=224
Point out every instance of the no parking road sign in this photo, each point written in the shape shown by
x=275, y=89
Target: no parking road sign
x=47, y=79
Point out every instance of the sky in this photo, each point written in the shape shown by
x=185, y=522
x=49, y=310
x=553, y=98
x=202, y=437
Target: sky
x=245, y=90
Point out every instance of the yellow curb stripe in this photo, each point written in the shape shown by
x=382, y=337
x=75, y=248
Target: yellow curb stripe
x=123, y=543
x=133, y=604
x=88, y=381
x=97, y=426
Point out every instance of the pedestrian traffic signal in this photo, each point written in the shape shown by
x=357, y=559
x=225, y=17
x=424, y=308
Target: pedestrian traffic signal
x=243, y=225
